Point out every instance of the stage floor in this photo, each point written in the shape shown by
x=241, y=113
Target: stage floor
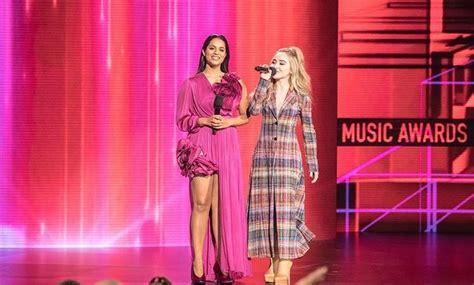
x=352, y=259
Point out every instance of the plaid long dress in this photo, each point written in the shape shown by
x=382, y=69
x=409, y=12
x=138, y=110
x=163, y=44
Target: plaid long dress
x=276, y=225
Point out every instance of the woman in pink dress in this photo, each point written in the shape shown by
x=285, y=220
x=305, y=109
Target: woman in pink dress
x=211, y=105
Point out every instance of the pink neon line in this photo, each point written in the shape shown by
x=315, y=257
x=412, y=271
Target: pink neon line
x=428, y=162
x=430, y=189
x=421, y=114
x=420, y=175
x=395, y=207
x=435, y=204
x=426, y=81
x=444, y=72
x=421, y=109
x=429, y=206
x=454, y=210
x=367, y=163
x=347, y=206
x=402, y=211
x=450, y=83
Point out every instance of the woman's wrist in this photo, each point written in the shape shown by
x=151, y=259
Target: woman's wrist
x=239, y=120
x=236, y=121
x=203, y=121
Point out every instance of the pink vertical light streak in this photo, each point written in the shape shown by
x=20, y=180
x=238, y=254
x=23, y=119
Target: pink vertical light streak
x=82, y=131
x=5, y=109
x=95, y=123
x=109, y=59
x=157, y=195
x=28, y=6
x=149, y=80
x=102, y=71
x=66, y=149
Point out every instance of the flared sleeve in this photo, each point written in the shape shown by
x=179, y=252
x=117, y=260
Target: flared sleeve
x=185, y=120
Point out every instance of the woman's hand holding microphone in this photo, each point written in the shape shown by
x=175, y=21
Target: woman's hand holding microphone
x=266, y=71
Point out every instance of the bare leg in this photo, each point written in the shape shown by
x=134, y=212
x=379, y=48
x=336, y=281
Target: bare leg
x=201, y=195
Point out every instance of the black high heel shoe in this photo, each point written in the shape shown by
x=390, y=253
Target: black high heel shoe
x=197, y=280
x=220, y=277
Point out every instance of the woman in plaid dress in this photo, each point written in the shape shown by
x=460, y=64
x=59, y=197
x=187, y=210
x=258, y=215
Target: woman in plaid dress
x=276, y=227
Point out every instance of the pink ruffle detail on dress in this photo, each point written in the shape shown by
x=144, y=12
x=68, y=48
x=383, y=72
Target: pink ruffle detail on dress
x=229, y=87
x=192, y=160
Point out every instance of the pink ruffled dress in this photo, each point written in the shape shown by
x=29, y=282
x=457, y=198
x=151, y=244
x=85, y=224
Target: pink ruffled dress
x=203, y=153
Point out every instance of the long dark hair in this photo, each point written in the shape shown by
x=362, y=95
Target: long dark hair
x=202, y=59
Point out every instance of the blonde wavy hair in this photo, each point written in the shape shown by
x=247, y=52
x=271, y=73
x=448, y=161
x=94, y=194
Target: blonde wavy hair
x=299, y=80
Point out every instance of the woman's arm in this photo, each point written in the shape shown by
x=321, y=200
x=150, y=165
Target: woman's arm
x=185, y=120
x=309, y=135
x=259, y=97
x=242, y=119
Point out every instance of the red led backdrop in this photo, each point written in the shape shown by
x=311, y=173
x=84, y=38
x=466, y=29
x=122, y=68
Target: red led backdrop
x=88, y=94
x=406, y=59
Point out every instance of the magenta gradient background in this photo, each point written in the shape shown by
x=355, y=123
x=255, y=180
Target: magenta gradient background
x=88, y=93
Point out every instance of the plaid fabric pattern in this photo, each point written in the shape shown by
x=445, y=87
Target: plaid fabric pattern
x=276, y=200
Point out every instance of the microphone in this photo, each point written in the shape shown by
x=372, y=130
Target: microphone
x=266, y=69
x=218, y=100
